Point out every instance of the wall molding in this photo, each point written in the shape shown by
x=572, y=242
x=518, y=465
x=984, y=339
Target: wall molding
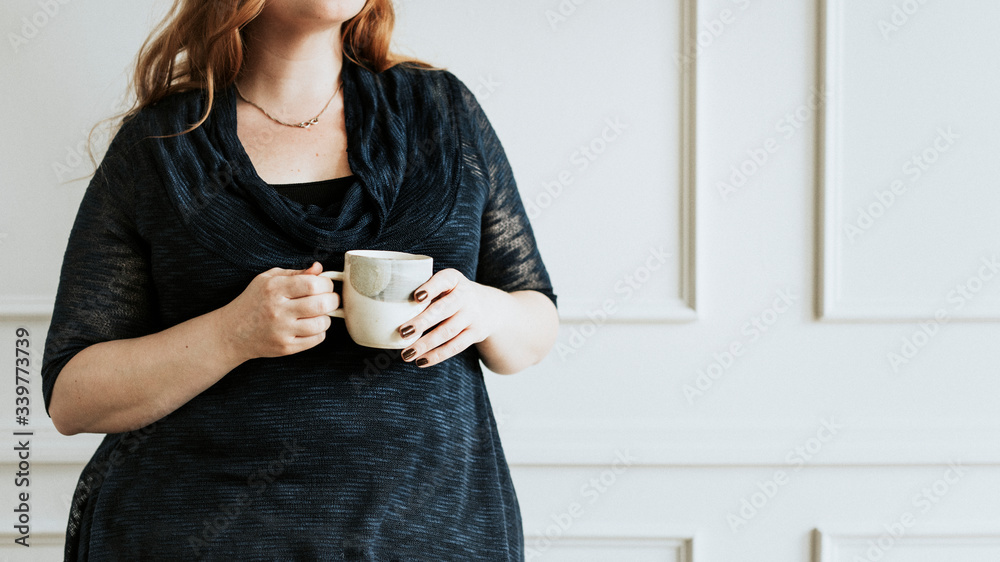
x=681, y=547
x=49, y=536
x=659, y=444
x=827, y=158
x=591, y=312
x=830, y=302
x=688, y=160
x=682, y=307
x=26, y=306
x=656, y=443
x=826, y=544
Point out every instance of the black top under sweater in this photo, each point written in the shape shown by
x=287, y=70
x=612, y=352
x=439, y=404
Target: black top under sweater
x=338, y=452
x=322, y=193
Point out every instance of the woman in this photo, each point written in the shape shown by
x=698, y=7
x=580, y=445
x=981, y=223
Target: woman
x=192, y=327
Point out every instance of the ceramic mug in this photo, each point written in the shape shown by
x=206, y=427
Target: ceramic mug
x=377, y=295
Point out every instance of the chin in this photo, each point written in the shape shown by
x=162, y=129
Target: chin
x=313, y=11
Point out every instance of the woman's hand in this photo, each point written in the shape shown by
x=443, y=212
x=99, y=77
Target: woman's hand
x=463, y=311
x=281, y=312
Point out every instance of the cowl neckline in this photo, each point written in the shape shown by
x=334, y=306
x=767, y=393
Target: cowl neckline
x=402, y=147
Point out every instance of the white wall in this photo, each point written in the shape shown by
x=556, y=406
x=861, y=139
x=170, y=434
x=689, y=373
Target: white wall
x=809, y=415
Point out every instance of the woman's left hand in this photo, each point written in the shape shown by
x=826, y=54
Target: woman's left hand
x=462, y=311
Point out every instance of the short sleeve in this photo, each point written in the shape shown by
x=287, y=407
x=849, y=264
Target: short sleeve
x=105, y=289
x=509, y=258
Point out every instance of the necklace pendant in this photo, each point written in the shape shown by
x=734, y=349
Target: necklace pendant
x=307, y=124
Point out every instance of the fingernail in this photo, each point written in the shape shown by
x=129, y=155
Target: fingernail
x=406, y=332
x=420, y=295
x=408, y=354
x=422, y=361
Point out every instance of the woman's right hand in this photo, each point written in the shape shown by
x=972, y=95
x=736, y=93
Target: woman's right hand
x=281, y=312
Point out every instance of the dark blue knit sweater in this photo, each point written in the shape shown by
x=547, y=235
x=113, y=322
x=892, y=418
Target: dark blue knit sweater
x=339, y=452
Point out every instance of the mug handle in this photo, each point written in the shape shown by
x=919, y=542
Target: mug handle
x=336, y=276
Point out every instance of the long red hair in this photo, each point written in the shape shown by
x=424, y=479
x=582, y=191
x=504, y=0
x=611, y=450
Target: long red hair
x=199, y=45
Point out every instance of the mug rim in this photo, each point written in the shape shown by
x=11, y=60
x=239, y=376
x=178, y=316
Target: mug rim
x=386, y=255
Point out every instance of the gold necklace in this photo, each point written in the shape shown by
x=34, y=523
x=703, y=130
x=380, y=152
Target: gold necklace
x=301, y=125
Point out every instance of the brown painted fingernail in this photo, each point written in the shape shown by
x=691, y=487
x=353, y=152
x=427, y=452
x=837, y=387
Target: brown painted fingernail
x=408, y=354
x=420, y=296
x=406, y=332
x=422, y=361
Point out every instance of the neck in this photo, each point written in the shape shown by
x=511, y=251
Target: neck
x=291, y=71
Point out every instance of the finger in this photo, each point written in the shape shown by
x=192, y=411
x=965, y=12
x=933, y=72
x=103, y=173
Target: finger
x=437, y=311
x=314, y=305
x=307, y=327
x=302, y=285
x=306, y=342
x=449, y=349
x=440, y=335
x=440, y=283
x=313, y=269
